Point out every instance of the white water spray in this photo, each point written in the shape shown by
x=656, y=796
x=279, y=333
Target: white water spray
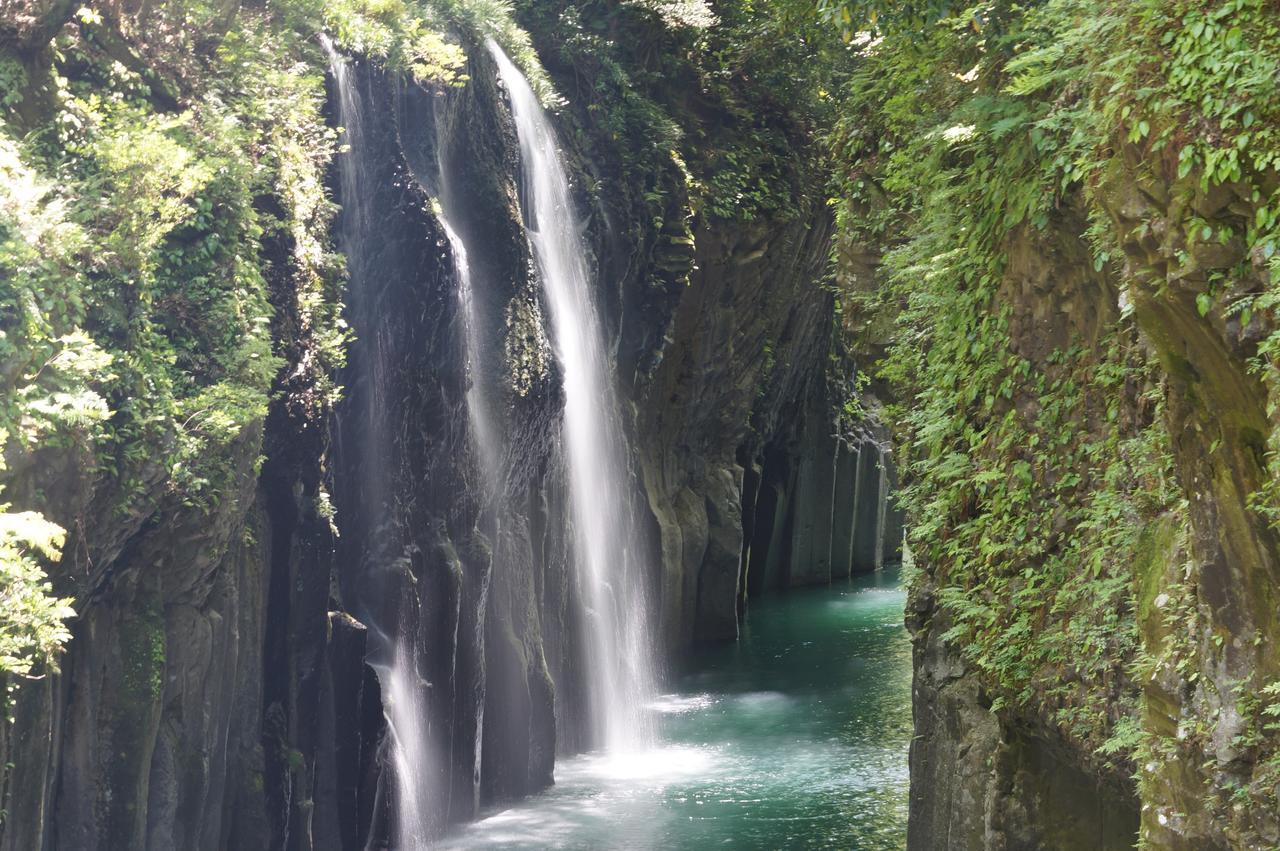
x=404, y=707
x=404, y=691
x=609, y=558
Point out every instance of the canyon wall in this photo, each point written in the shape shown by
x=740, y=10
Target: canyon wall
x=1057, y=263
x=1196, y=593
x=225, y=682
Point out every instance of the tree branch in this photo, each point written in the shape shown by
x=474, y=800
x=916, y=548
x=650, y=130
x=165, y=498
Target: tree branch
x=29, y=25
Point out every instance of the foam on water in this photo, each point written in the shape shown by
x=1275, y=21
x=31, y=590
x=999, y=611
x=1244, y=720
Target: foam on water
x=797, y=738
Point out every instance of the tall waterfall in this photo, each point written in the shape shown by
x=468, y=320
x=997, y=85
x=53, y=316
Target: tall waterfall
x=404, y=690
x=608, y=555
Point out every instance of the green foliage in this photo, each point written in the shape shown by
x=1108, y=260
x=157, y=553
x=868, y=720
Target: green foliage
x=970, y=137
x=397, y=33
x=495, y=19
x=175, y=292
x=143, y=241
x=1028, y=481
x=32, y=627
x=851, y=16
x=13, y=79
x=410, y=36
x=719, y=100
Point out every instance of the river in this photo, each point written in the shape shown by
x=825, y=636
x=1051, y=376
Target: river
x=794, y=737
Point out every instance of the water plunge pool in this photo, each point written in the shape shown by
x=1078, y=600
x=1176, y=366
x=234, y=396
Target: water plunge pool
x=794, y=737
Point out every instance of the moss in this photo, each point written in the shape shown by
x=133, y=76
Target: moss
x=1155, y=550
x=142, y=655
x=129, y=740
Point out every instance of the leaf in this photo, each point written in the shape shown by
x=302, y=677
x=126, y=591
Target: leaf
x=31, y=529
x=1204, y=302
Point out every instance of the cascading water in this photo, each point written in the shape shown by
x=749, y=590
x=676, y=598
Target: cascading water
x=404, y=690
x=484, y=431
x=609, y=558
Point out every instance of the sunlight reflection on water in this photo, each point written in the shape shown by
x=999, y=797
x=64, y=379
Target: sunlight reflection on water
x=794, y=738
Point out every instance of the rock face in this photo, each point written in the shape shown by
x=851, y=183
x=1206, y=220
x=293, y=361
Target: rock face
x=988, y=775
x=989, y=771
x=1212, y=789
x=152, y=734
x=744, y=491
x=983, y=779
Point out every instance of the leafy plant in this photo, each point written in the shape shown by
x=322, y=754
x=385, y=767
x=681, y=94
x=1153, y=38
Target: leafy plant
x=32, y=619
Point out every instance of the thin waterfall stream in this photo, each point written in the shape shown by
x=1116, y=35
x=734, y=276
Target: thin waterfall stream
x=485, y=428
x=404, y=689
x=484, y=423
x=609, y=554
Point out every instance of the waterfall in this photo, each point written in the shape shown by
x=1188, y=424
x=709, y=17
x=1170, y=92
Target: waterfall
x=610, y=563
x=482, y=430
x=486, y=436
x=404, y=690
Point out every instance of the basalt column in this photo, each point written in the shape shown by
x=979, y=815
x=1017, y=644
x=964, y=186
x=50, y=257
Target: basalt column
x=815, y=489
x=889, y=525
x=868, y=510
x=843, y=508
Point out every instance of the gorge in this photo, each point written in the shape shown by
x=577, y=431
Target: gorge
x=452, y=423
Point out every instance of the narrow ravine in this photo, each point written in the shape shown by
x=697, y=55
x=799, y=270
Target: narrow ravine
x=795, y=737
x=457, y=423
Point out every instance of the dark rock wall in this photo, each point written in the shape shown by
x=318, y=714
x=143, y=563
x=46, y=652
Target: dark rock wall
x=739, y=443
x=695, y=417
x=982, y=782
x=408, y=565
x=983, y=779
x=152, y=734
x=1212, y=789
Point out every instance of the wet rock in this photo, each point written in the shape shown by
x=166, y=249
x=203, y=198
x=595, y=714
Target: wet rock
x=718, y=573
x=868, y=510
x=843, y=515
x=810, y=561
x=996, y=781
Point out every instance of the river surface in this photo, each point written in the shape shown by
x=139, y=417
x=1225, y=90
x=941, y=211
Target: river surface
x=794, y=737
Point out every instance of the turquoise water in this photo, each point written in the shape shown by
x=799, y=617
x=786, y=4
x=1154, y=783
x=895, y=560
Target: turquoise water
x=795, y=737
